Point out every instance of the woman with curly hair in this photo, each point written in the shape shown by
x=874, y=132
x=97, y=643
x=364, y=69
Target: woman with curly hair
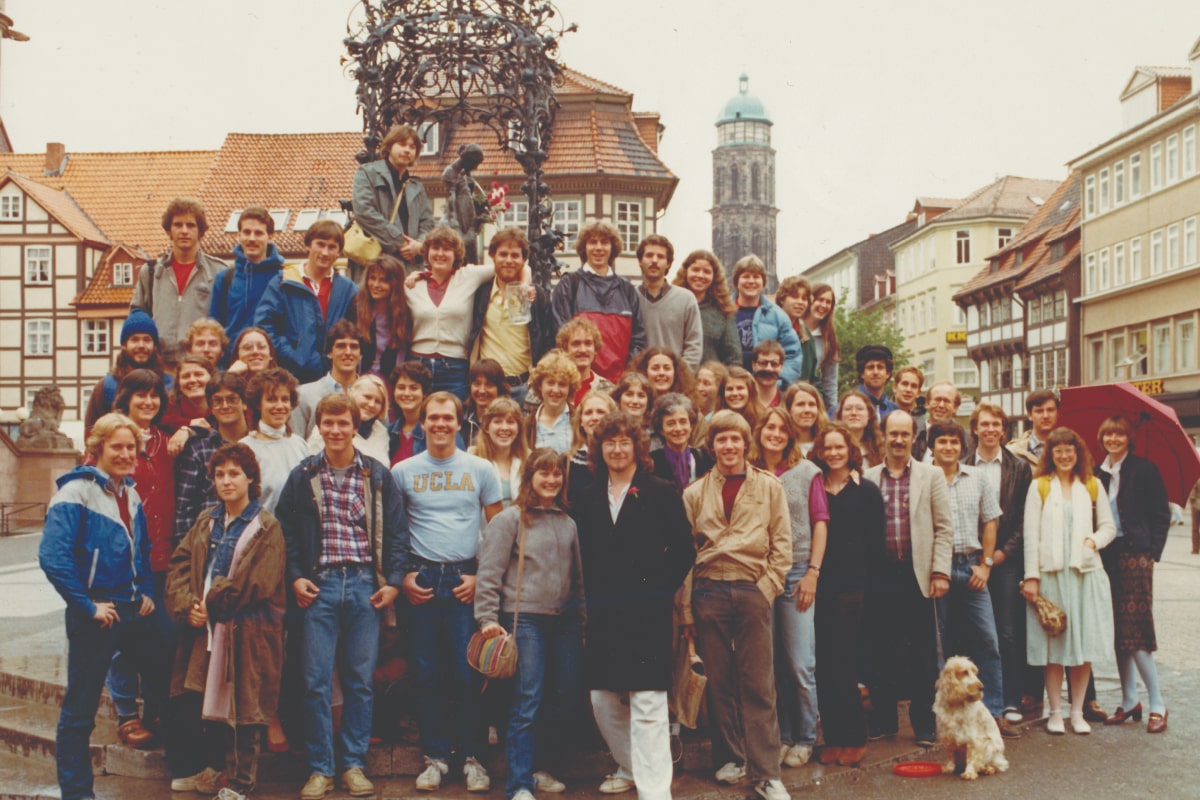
x=555, y=380
x=380, y=312
x=703, y=275
x=666, y=370
x=739, y=392
x=857, y=411
x=819, y=322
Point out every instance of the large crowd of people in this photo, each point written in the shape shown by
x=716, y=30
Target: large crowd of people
x=283, y=475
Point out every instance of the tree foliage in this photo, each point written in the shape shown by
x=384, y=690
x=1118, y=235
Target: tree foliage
x=856, y=329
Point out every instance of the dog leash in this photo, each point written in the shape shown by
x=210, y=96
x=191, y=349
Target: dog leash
x=937, y=635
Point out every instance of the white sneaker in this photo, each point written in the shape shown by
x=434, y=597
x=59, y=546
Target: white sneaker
x=772, y=790
x=205, y=782
x=797, y=755
x=477, y=777
x=730, y=773
x=615, y=784
x=523, y=794
x=229, y=794
x=431, y=778
x=545, y=782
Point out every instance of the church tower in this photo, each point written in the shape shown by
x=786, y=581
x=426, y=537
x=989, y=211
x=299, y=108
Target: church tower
x=743, y=212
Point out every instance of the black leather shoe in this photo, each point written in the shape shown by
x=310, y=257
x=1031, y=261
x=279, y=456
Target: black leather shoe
x=1092, y=712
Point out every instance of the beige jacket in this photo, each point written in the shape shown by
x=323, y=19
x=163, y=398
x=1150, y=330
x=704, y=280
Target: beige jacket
x=930, y=522
x=754, y=545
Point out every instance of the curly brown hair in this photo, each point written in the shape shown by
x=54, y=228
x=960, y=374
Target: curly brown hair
x=614, y=424
x=718, y=290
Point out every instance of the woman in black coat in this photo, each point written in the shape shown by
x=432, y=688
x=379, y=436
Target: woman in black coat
x=1139, y=506
x=637, y=549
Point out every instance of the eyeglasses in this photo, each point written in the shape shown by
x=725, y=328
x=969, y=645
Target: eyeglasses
x=769, y=364
x=220, y=402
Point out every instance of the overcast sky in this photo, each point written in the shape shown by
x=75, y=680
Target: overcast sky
x=873, y=103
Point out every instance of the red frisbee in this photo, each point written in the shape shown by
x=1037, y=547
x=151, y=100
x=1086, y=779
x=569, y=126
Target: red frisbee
x=917, y=769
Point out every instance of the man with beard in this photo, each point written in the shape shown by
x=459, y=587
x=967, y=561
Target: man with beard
x=768, y=363
x=139, y=350
x=670, y=314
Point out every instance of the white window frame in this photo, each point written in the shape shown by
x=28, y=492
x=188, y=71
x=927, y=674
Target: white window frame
x=1034, y=312
x=1089, y=274
x=1173, y=246
x=568, y=218
x=962, y=246
x=516, y=216
x=1003, y=237
x=1135, y=176
x=1188, y=152
x=1105, y=270
x=1139, y=343
x=1060, y=304
x=11, y=208
x=1061, y=364
x=97, y=335
x=1135, y=259
x=39, y=265
x=1116, y=355
x=1189, y=241
x=39, y=337
x=1172, y=155
x=1103, y=187
x=231, y=224
x=122, y=273
x=1089, y=196
x=629, y=216
x=1161, y=359
x=1097, y=361
x=1119, y=264
x=1156, y=252
x=1119, y=183
x=305, y=219
x=1185, y=341
x=1156, y=167
x=964, y=370
x=430, y=135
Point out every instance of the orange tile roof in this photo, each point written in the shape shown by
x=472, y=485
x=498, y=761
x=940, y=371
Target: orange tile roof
x=59, y=205
x=100, y=291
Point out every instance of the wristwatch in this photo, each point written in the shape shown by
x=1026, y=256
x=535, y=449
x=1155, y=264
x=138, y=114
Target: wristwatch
x=988, y=562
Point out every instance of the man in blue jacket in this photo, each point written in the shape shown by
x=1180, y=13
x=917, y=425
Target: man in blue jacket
x=302, y=301
x=237, y=290
x=758, y=319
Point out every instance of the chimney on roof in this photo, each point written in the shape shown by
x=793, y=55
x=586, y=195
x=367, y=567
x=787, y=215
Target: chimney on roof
x=56, y=159
x=649, y=128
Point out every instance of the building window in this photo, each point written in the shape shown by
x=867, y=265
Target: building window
x=1103, y=185
x=1089, y=275
x=1097, y=366
x=1001, y=371
x=1089, y=196
x=428, y=132
x=1135, y=259
x=1118, y=183
x=1060, y=304
x=1185, y=342
x=1119, y=264
x=1060, y=366
x=1162, y=349
x=927, y=367
x=629, y=223
x=1003, y=237
x=122, y=274
x=39, y=340
x=305, y=219
x=965, y=372
x=1189, y=151
x=568, y=215
x=516, y=216
x=1001, y=311
x=1117, y=362
x=1156, y=173
x=1035, y=311
x=933, y=311
x=10, y=208
x=921, y=318
x=984, y=317
x=1172, y=158
x=963, y=243
x=1139, y=354
x=37, y=265
x=1156, y=252
x=1135, y=175
x=96, y=337
x=1189, y=241
x=1173, y=246
x=1105, y=272
x=1047, y=308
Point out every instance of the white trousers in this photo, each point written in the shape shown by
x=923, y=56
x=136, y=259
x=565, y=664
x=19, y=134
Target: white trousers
x=637, y=730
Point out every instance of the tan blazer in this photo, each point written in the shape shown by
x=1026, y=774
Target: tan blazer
x=930, y=521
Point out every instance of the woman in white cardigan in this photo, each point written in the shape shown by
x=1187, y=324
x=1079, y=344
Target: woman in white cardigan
x=1068, y=520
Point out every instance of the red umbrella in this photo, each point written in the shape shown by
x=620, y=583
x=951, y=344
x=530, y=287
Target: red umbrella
x=1157, y=434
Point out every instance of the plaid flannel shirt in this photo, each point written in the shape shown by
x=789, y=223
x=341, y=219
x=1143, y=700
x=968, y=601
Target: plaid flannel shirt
x=344, y=538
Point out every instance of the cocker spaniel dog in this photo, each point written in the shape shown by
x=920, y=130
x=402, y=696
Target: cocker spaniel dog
x=964, y=725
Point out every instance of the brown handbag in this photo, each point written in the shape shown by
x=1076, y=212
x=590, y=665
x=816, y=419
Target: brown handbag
x=496, y=656
x=1052, y=618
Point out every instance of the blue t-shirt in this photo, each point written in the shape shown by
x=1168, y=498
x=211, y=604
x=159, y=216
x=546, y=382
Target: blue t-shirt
x=443, y=498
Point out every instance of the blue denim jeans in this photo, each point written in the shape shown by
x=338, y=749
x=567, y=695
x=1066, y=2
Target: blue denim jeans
x=90, y=650
x=969, y=628
x=549, y=656
x=340, y=625
x=122, y=681
x=449, y=374
x=1008, y=608
x=449, y=706
x=795, y=664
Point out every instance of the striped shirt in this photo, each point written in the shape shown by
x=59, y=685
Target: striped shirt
x=973, y=503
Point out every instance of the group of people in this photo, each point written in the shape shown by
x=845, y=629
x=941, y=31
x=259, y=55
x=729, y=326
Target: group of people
x=286, y=465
